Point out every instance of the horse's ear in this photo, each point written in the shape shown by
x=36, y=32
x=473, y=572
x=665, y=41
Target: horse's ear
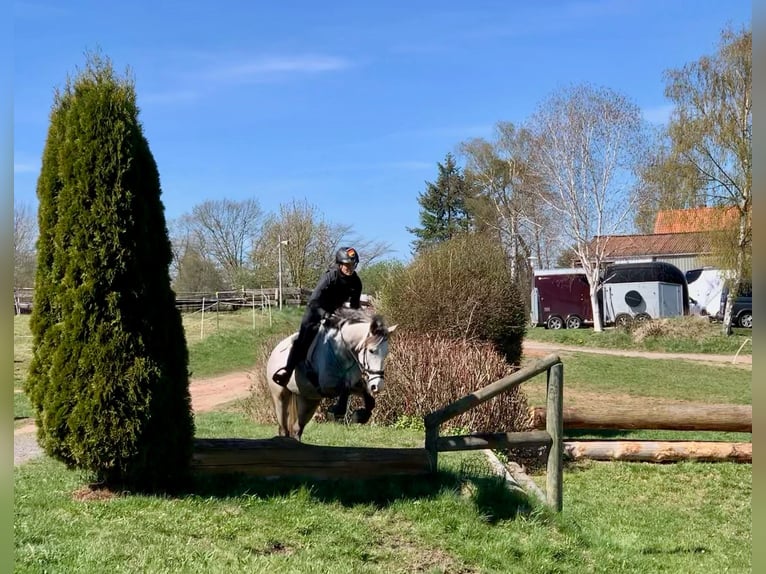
x=392, y=328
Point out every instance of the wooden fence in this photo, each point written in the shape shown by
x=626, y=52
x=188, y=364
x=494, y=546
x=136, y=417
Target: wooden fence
x=207, y=300
x=550, y=438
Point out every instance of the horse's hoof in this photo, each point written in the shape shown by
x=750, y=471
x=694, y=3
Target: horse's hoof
x=361, y=416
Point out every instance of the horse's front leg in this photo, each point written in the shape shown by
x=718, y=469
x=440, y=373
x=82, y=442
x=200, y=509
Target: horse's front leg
x=363, y=415
x=338, y=410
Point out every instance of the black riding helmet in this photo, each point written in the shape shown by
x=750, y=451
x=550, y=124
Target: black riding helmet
x=347, y=256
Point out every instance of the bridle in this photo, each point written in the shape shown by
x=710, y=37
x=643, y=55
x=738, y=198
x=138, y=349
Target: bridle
x=368, y=374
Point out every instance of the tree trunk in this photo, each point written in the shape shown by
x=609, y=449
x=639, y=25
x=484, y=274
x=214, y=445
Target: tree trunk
x=598, y=324
x=738, y=271
x=729, y=418
x=659, y=451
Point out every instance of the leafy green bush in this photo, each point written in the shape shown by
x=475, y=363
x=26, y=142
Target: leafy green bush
x=459, y=289
x=108, y=376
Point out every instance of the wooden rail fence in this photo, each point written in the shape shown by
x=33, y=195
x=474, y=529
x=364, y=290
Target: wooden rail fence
x=551, y=438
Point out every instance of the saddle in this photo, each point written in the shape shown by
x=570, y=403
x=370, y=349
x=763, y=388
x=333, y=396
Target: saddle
x=311, y=374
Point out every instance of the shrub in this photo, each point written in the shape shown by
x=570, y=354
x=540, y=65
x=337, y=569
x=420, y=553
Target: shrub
x=459, y=289
x=692, y=327
x=108, y=377
x=427, y=372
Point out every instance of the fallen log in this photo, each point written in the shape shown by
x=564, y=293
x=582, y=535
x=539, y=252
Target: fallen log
x=731, y=418
x=659, y=451
x=286, y=457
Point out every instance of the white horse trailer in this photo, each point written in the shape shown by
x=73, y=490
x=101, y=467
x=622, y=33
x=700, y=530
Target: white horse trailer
x=643, y=291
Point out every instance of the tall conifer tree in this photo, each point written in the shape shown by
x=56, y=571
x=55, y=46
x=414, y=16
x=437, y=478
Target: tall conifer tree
x=108, y=377
x=444, y=213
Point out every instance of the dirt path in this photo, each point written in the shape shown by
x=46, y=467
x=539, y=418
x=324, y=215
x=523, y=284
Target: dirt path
x=207, y=394
x=538, y=348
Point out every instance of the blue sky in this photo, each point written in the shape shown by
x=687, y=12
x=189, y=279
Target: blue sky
x=347, y=105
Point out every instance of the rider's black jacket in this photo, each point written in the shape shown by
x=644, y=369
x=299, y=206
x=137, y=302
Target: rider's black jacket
x=333, y=290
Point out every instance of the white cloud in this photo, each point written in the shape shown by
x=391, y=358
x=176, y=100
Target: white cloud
x=268, y=67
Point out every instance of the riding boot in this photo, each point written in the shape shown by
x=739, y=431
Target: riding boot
x=282, y=376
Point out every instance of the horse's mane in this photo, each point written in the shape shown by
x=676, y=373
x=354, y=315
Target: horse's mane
x=345, y=315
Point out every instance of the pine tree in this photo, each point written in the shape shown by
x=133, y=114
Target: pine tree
x=108, y=378
x=443, y=213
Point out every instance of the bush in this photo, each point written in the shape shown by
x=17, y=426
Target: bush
x=459, y=289
x=427, y=372
x=108, y=377
x=691, y=327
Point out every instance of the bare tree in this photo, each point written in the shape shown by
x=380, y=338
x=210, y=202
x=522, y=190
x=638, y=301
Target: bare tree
x=309, y=245
x=24, y=238
x=590, y=141
x=500, y=173
x=224, y=231
x=711, y=134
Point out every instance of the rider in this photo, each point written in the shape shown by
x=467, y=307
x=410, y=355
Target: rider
x=338, y=284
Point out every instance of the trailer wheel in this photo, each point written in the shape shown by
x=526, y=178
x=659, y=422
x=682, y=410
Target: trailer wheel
x=623, y=320
x=642, y=318
x=574, y=322
x=555, y=322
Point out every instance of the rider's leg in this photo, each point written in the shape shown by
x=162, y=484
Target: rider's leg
x=298, y=350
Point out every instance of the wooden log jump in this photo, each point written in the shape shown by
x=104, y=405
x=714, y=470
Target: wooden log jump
x=659, y=451
x=732, y=418
x=286, y=457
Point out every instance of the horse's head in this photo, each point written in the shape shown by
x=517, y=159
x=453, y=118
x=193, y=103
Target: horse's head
x=371, y=347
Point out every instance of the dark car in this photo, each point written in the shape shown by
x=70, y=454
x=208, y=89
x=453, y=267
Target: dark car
x=742, y=309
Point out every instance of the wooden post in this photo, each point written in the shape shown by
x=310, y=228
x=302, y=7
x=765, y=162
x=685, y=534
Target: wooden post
x=554, y=424
x=202, y=322
x=432, y=443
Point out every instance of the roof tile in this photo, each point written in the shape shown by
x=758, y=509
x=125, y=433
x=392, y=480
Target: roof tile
x=696, y=219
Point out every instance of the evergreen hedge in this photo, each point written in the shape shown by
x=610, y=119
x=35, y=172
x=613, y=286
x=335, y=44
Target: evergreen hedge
x=108, y=378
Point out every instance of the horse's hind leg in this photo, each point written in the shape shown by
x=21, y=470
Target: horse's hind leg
x=282, y=399
x=306, y=409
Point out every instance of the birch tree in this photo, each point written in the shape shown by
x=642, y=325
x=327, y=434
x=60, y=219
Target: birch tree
x=711, y=134
x=589, y=143
x=501, y=175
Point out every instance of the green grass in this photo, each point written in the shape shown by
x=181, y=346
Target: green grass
x=685, y=335
x=618, y=517
x=22, y=408
x=650, y=378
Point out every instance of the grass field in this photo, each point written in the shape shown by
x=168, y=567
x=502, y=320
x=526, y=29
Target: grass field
x=676, y=335
x=617, y=517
